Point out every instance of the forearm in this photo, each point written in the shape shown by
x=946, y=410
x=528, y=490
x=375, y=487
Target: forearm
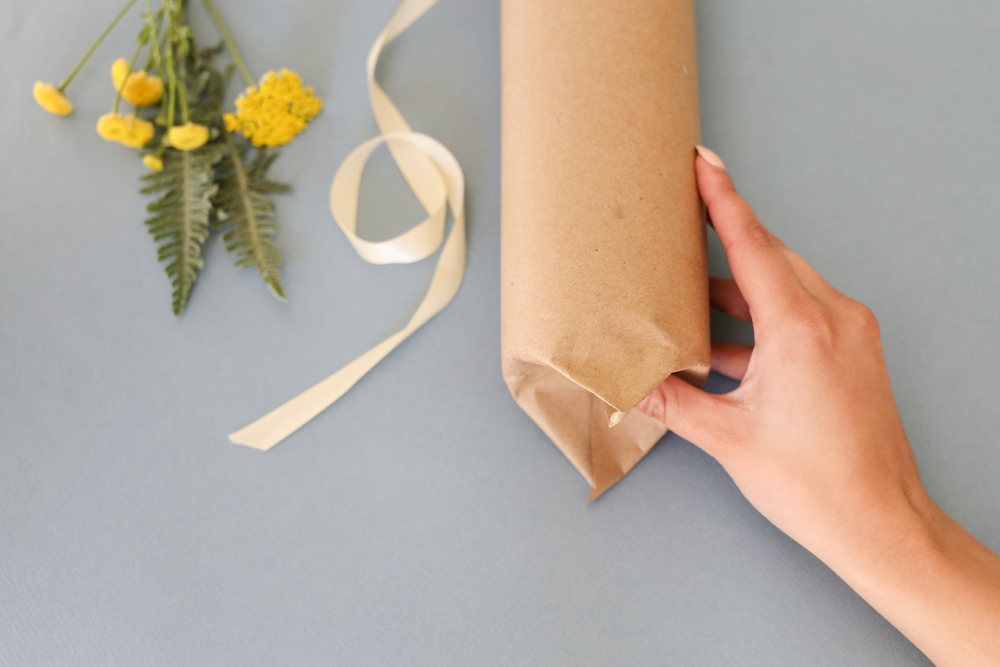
x=934, y=582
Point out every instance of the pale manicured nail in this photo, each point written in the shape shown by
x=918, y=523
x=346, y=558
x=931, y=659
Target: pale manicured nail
x=711, y=158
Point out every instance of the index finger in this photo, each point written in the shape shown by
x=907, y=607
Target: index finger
x=764, y=275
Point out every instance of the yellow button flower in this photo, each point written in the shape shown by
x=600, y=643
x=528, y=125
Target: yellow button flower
x=152, y=162
x=51, y=99
x=140, y=89
x=127, y=130
x=112, y=126
x=138, y=133
x=188, y=136
x=273, y=112
x=119, y=69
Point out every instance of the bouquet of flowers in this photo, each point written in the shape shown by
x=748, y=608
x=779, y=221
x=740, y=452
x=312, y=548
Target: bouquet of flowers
x=207, y=168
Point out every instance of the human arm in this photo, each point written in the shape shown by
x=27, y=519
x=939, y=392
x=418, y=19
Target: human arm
x=813, y=439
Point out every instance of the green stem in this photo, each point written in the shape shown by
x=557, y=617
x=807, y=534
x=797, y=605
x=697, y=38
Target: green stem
x=93, y=47
x=155, y=59
x=176, y=87
x=230, y=44
x=182, y=91
x=171, y=74
x=131, y=64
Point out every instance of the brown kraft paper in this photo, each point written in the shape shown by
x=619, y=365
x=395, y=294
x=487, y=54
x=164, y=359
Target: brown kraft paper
x=604, y=270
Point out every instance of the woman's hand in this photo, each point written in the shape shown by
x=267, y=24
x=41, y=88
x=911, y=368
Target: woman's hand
x=813, y=439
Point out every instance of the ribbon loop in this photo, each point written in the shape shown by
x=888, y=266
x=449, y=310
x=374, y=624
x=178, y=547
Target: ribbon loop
x=416, y=243
x=436, y=179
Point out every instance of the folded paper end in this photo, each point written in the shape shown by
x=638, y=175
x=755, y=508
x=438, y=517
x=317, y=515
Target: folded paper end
x=577, y=422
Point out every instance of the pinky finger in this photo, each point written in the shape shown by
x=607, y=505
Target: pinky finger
x=731, y=359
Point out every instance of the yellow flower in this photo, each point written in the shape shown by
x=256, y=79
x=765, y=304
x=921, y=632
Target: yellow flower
x=272, y=113
x=118, y=70
x=188, y=136
x=51, y=99
x=140, y=89
x=128, y=130
x=112, y=126
x=139, y=132
x=152, y=162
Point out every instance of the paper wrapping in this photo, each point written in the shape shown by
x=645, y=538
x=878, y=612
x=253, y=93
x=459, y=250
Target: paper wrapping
x=604, y=269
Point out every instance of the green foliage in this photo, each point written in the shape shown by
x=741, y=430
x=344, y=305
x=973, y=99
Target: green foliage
x=189, y=179
x=205, y=87
x=181, y=213
x=244, y=207
x=215, y=187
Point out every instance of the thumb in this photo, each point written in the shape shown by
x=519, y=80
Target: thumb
x=695, y=415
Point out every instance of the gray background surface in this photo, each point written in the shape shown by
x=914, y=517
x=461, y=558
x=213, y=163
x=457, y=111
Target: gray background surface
x=424, y=520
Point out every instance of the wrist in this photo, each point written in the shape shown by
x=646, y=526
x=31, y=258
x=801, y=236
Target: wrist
x=931, y=579
x=892, y=548
x=880, y=541
x=871, y=535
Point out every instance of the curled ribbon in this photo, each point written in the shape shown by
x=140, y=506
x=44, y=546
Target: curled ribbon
x=436, y=179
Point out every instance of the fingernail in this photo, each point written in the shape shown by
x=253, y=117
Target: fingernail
x=711, y=158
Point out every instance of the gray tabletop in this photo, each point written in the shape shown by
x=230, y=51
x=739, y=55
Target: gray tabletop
x=424, y=520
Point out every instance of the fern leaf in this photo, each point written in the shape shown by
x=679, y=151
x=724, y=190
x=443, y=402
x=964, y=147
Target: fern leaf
x=242, y=202
x=272, y=186
x=180, y=221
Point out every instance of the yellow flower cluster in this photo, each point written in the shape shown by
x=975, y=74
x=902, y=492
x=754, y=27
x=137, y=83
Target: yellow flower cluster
x=140, y=89
x=273, y=112
x=51, y=99
x=130, y=131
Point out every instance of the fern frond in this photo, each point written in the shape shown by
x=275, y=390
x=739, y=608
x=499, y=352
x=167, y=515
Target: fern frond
x=180, y=222
x=242, y=202
x=257, y=172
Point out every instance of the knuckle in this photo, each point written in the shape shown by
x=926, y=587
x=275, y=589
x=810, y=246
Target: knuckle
x=664, y=404
x=776, y=242
x=861, y=319
x=794, y=258
x=670, y=403
x=755, y=233
x=751, y=238
x=655, y=405
x=813, y=322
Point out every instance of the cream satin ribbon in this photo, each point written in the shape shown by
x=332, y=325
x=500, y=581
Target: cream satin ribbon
x=436, y=179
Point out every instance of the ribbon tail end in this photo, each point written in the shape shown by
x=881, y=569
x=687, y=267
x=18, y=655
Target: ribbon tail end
x=241, y=437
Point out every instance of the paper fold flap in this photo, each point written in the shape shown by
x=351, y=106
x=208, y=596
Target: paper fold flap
x=576, y=421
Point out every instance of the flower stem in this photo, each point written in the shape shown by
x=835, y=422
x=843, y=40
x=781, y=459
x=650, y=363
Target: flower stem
x=131, y=66
x=230, y=44
x=182, y=93
x=156, y=60
x=175, y=16
x=171, y=74
x=93, y=47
